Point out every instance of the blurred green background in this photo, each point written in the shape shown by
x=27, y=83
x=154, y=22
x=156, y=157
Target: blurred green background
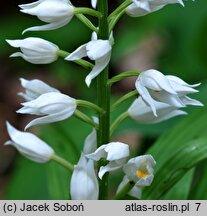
x=172, y=40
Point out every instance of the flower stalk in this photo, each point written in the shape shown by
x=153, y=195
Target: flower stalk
x=62, y=162
x=124, y=98
x=87, y=104
x=124, y=191
x=118, y=121
x=88, y=11
x=87, y=22
x=85, y=64
x=123, y=75
x=78, y=114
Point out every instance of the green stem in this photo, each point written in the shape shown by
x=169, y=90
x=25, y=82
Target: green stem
x=114, y=21
x=83, y=63
x=88, y=11
x=90, y=105
x=87, y=22
x=119, y=9
x=62, y=162
x=122, y=76
x=78, y=114
x=124, y=191
x=123, y=99
x=118, y=121
x=103, y=93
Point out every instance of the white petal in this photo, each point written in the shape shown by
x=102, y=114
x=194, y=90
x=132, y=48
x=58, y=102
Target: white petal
x=116, y=151
x=167, y=98
x=156, y=81
x=97, y=49
x=90, y=143
x=84, y=183
x=31, y=5
x=78, y=53
x=100, y=64
x=98, y=154
x=94, y=36
x=52, y=118
x=146, y=96
x=50, y=26
x=142, y=113
x=189, y=101
x=94, y=3
x=29, y=145
x=111, y=166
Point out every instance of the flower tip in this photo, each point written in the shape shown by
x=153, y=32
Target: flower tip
x=88, y=81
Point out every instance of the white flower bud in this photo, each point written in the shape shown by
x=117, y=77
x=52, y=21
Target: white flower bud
x=29, y=145
x=115, y=152
x=144, y=7
x=35, y=50
x=56, y=13
x=84, y=183
x=54, y=107
x=35, y=88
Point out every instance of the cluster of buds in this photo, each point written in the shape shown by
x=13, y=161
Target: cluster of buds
x=160, y=98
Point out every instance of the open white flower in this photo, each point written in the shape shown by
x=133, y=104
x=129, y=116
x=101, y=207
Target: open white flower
x=96, y=50
x=115, y=153
x=94, y=3
x=144, y=7
x=35, y=50
x=140, y=171
x=34, y=88
x=53, y=106
x=152, y=84
x=84, y=183
x=56, y=13
x=29, y=145
x=141, y=112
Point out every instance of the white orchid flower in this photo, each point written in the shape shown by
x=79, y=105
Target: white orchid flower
x=56, y=13
x=140, y=171
x=90, y=143
x=144, y=7
x=152, y=84
x=96, y=50
x=115, y=152
x=84, y=183
x=35, y=50
x=142, y=113
x=34, y=88
x=94, y=3
x=29, y=145
x=54, y=106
